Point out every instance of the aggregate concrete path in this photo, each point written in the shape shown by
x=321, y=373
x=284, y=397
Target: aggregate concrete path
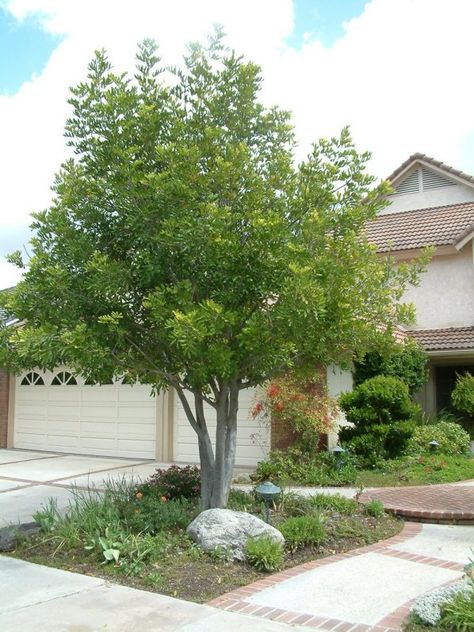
x=367, y=590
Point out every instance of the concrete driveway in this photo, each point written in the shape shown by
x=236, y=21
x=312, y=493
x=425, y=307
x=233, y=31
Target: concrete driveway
x=28, y=479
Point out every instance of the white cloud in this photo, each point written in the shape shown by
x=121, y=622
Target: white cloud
x=400, y=76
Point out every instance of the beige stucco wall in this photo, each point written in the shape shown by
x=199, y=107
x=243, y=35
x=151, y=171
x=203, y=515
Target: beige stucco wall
x=445, y=296
x=338, y=381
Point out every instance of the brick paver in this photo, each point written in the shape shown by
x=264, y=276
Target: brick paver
x=433, y=503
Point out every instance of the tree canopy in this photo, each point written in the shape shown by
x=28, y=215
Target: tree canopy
x=184, y=248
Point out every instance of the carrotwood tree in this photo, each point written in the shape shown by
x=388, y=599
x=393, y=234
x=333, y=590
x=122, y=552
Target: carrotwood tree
x=184, y=249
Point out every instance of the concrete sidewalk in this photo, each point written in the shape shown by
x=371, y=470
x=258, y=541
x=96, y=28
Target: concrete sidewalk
x=36, y=598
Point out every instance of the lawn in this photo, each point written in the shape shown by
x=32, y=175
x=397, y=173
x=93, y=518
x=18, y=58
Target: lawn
x=296, y=467
x=422, y=470
x=137, y=537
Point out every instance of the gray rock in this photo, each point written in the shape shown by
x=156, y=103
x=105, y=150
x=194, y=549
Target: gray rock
x=428, y=607
x=229, y=530
x=9, y=536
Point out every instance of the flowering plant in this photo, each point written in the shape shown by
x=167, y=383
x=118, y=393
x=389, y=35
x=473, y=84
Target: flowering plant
x=299, y=399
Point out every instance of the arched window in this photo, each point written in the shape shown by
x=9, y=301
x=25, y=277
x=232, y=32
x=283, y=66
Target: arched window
x=32, y=379
x=64, y=378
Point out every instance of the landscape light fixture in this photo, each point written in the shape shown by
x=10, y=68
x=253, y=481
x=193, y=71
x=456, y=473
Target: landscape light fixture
x=338, y=452
x=268, y=491
x=433, y=445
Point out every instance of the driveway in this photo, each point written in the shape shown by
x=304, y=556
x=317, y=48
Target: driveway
x=28, y=479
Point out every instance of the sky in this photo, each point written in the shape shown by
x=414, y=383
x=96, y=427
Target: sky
x=397, y=71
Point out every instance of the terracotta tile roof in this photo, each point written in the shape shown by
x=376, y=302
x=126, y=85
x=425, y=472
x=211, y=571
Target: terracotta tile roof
x=434, y=163
x=444, y=339
x=406, y=230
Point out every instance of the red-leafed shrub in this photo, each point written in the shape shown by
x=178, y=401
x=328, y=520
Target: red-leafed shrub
x=176, y=482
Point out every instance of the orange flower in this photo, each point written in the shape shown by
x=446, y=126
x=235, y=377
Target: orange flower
x=138, y=495
x=164, y=499
x=272, y=390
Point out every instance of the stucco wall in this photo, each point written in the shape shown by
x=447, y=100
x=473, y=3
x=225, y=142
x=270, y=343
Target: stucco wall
x=4, y=392
x=338, y=381
x=445, y=296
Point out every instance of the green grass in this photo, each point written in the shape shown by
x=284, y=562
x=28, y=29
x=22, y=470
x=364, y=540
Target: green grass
x=428, y=470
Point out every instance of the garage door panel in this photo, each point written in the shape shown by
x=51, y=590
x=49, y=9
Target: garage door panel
x=30, y=440
x=33, y=394
x=99, y=394
x=135, y=394
x=136, y=412
x=111, y=420
x=139, y=430
x=66, y=427
x=98, y=412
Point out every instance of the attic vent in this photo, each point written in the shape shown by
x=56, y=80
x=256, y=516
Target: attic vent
x=409, y=185
x=433, y=180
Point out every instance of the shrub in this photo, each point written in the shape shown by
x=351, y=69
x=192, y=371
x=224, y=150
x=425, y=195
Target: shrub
x=306, y=467
x=242, y=501
x=382, y=415
x=452, y=439
x=374, y=508
x=150, y=514
x=300, y=400
x=302, y=531
x=335, y=503
x=458, y=615
x=264, y=553
x=406, y=361
x=176, y=482
x=463, y=394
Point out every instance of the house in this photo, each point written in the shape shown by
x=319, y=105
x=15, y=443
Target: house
x=432, y=205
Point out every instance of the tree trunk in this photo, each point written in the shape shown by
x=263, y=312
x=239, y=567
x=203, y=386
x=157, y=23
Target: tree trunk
x=216, y=466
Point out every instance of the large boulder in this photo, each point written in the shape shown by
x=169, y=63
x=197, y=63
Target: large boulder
x=229, y=530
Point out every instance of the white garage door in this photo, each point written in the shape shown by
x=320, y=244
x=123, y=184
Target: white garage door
x=57, y=411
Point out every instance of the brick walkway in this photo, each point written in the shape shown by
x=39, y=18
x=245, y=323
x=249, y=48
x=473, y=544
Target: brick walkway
x=433, y=503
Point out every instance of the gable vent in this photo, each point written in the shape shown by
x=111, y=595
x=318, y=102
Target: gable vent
x=409, y=185
x=433, y=180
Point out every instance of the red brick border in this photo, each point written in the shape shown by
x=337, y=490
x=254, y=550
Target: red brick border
x=235, y=601
x=442, y=504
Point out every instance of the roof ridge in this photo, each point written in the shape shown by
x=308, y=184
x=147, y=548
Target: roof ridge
x=432, y=161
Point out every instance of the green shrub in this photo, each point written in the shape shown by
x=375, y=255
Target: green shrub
x=382, y=415
x=457, y=615
x=374, y=508
x=463, y=394
x=452, y=439
x=264, y=553
x=335, y=503
x=151, y=514
x=243, y=501
x=406, y=361
x=176, y=482
x=301, y=531
x=306, y=468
